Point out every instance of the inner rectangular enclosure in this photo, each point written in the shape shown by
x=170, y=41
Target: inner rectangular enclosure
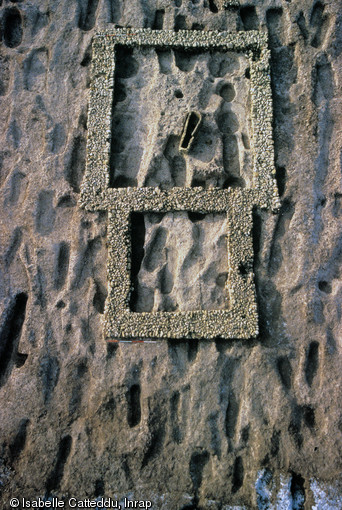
x=179, y=262
x=154, y=89
x=227, y=215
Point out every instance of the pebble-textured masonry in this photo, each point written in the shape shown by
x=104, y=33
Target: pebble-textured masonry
x=241, y=320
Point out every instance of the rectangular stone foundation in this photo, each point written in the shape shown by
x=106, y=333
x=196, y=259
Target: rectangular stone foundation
x=240, y=318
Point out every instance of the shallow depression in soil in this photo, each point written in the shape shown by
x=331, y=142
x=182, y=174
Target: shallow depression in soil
x=179, y=262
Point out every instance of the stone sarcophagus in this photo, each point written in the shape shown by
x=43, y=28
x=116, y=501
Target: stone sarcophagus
x=180, y=135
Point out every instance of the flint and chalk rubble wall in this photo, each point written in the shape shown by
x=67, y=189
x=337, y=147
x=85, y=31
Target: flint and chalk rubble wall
x=196, y=424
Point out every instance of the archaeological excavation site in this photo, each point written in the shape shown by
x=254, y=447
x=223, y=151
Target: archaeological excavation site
x=171, y=254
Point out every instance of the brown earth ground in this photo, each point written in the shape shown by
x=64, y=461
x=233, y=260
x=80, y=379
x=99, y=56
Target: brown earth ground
x=185, y=424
